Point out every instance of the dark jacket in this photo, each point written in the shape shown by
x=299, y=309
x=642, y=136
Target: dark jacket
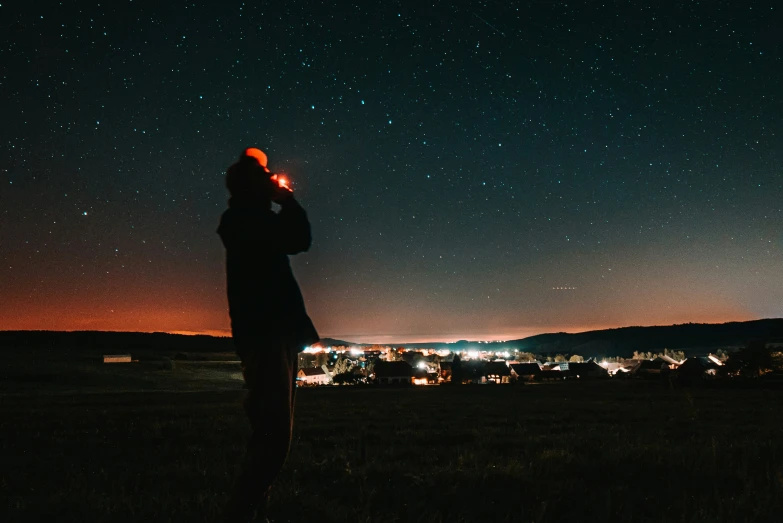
x=264, y=299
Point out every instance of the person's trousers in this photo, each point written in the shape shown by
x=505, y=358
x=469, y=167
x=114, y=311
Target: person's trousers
x=270, y=377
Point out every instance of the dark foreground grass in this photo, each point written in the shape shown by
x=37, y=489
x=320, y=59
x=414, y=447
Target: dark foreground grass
x=606, y=452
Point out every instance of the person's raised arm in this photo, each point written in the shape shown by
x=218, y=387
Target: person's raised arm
x=293, y=231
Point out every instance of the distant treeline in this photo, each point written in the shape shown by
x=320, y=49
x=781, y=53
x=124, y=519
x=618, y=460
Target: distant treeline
x=696, y=338
x=112, y=342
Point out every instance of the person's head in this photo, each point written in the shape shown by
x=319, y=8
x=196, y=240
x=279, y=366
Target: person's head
x=249, y=178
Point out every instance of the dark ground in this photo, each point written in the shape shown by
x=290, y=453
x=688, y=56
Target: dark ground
x=624, y=451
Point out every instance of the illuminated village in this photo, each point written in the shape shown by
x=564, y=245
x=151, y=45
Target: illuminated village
x=384, y=365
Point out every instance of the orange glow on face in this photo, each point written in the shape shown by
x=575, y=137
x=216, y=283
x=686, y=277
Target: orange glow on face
x=258, y=154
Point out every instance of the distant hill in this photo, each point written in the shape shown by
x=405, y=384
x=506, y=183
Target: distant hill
x=113, y=341
x=695, y=338
x=331, y=342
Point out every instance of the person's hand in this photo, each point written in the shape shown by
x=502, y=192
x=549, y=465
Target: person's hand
x=282, y=195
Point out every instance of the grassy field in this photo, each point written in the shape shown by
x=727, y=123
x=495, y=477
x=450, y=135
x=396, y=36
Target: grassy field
x=49, y=372
x=617, y=451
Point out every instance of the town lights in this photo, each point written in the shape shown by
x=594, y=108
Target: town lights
x=313, y=349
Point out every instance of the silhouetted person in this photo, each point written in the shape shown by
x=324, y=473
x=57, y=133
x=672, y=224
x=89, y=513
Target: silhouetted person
x=268, y=319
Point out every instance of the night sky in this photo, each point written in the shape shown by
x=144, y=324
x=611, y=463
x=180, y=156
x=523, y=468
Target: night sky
x=481, y=171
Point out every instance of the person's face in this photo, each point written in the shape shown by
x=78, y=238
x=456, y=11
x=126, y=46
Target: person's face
x=261, y=187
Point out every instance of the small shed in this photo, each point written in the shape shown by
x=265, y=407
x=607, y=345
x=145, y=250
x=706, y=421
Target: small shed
x=117, y=358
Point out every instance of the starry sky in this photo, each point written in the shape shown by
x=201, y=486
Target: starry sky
x=471, y=170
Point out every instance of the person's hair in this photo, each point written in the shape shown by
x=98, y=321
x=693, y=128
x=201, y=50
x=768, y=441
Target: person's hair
x=245, y=177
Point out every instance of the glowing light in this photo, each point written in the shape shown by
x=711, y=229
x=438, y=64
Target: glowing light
x=473, y=354
x=422, y=365
x=281, y=180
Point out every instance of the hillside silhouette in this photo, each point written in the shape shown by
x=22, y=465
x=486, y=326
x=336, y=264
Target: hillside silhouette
x=698, y=337
x=113, y=341
x=695, y=338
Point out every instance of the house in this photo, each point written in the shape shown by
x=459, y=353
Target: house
x=526, y=371
x=312, y=376
x=697, y=368
x=423, y=377
x=413, y=357
x=393, y=373
x=117, y=358
x=554, y=371
x=445, y=370
x=619, y=368
x=586, y=370
x=657, y=368
x=473, y=371
x=419, y=377
x=673, y=364
x=497, y=372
